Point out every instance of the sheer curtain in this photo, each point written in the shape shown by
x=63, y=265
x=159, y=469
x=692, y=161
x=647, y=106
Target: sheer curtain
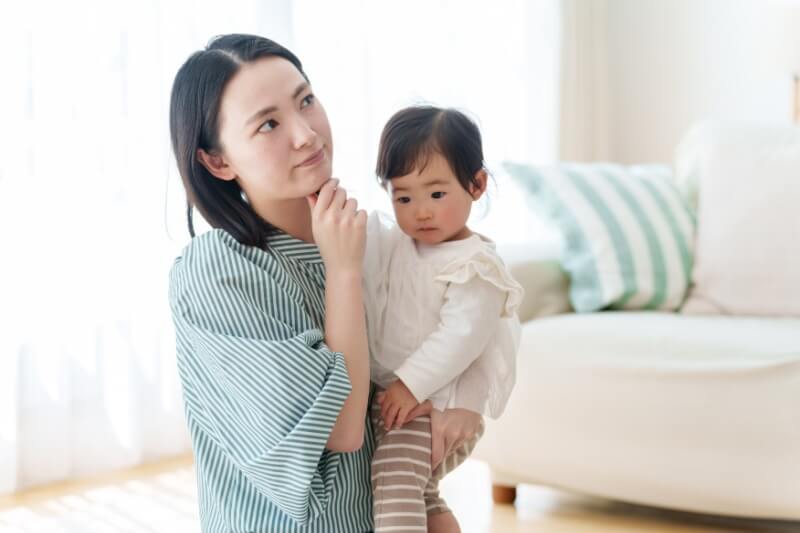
x=498, y=61
x=584, y=127
x=92, y=218
x=91, y=208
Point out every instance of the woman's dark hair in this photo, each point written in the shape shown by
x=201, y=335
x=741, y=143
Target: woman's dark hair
x=413, y=134
x=194, y=123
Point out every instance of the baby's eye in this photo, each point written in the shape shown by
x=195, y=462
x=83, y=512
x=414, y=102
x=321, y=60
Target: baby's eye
x=307, y=101
x=269, y=125
x=402, y=199
x=437, y=195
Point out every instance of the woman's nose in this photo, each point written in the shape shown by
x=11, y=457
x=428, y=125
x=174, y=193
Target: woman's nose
x=302, y=133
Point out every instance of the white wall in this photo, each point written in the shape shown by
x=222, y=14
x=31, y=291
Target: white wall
x=672, y=62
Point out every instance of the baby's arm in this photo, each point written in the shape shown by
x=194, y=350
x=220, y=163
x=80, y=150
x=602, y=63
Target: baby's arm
x=467, y=320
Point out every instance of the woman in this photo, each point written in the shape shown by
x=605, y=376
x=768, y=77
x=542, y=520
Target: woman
x=268, y=310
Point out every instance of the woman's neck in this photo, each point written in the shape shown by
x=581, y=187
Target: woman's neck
x=290, y=216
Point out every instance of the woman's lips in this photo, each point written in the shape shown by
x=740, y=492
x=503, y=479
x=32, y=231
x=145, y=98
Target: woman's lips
x=315, y=158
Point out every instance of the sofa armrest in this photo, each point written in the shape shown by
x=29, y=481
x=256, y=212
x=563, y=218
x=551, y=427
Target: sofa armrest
x=546, y=288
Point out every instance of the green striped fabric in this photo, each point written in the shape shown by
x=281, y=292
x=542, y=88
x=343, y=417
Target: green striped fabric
x=262, y=391
x=628, y=233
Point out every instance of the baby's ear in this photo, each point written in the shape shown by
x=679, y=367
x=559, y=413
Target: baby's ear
x=478, y=187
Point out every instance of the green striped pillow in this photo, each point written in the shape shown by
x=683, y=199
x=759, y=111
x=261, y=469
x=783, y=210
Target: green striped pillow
x=628, y=232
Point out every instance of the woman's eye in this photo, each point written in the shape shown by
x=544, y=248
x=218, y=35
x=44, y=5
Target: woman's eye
x=307, y=101
x=269, y=125
x=437, y=195
x=403, y=200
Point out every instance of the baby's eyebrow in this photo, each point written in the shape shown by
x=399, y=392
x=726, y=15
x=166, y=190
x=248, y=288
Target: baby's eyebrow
x=431, y=183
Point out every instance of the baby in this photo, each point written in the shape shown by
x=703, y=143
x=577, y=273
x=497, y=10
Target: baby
x=441, y=309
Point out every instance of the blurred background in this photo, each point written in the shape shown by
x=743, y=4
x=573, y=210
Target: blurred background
x=92, y=211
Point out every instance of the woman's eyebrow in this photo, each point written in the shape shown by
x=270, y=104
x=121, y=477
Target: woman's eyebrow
x=271, y=109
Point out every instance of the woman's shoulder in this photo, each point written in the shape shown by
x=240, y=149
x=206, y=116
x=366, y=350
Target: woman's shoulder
x=215, y=258
x=210, y=246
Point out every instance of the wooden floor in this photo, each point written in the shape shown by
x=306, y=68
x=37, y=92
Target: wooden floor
x=162, y=498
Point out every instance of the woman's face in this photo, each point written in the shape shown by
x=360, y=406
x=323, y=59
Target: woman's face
x=275, y=135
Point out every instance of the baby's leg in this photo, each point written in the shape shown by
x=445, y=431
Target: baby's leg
x=401, y=468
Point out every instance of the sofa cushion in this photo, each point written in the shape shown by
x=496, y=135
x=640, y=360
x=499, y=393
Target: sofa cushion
x=662, y=341
x=689, y=412
x=627, y=231
x=535, y=266
x=747, y=256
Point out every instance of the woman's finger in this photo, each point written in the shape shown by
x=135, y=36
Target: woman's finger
x=339, y=199
x=351, y=206
x=326, y=193
x=312, y=201
x=437, y=439
x=452, y=442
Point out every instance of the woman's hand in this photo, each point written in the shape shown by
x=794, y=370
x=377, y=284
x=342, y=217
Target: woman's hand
x=339, y=228
x=449, y=430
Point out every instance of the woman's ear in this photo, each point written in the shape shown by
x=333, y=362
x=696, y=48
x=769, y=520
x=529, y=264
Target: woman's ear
x=477, y=188
x=216, y=165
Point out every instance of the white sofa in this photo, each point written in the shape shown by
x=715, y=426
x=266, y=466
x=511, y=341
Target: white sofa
x=689, y=412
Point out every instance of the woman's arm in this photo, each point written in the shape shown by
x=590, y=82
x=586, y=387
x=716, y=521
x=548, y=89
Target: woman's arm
x=262, y=393
x=340, y=233
x=346, y=332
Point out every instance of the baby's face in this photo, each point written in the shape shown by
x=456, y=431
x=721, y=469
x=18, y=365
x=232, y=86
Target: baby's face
x=430, y=205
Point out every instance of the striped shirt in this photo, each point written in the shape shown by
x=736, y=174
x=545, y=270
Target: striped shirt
x=262, y=390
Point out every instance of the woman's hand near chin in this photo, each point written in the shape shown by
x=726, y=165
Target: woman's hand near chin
x=339, y=229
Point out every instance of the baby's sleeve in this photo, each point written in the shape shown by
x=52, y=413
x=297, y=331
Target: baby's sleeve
x=467, y=321
x=479, y=294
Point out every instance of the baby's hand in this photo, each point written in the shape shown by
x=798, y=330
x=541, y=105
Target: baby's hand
x=396, y=403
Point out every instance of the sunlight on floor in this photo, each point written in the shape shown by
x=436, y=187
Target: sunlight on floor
x=165, y=502
x=162, y=503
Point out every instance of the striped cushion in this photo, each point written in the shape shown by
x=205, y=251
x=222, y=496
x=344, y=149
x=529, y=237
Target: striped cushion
x=628, y=233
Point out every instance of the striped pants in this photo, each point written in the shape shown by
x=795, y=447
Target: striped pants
x=404, y=489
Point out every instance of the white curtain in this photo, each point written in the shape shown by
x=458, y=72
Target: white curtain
x=583, y=125
x=497, y=60
x=92, y=217
x=91, y=207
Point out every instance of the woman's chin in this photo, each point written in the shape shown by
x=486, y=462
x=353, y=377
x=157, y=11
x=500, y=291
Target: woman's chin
x=317, y=185
x=320, y=178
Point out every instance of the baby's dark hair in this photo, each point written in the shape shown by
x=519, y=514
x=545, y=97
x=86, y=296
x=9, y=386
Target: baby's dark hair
x=413, y=134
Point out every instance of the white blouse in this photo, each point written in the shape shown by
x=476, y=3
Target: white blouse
x=442, y=318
